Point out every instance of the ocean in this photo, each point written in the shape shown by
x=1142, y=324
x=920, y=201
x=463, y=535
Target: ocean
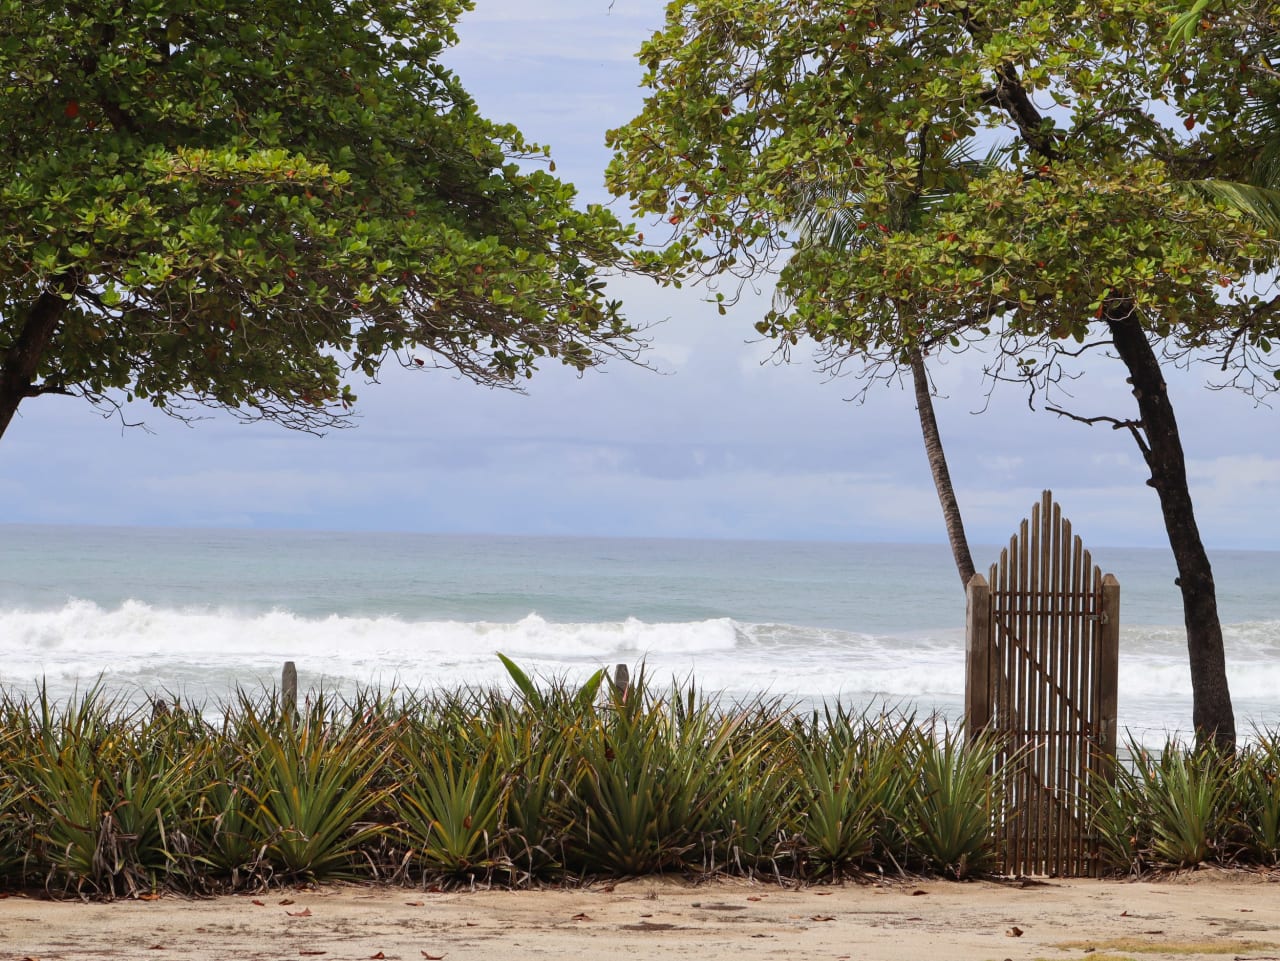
x=198, y=613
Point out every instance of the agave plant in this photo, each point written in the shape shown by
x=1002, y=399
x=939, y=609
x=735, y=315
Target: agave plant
x=15, y=818
x=752, y=827
x=112, y=796
x=845, y=767
x=1256, y=789
x=451, y=795
x=310, y=780
x=952, y=802
x=650, y=780
x=540, y=763
x=1185, y=799
x=538, y=741
x=1119, y=819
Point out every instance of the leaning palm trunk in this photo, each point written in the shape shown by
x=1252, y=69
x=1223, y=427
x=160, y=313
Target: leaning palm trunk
x=938, y=466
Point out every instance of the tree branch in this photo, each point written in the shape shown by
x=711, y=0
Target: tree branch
x=1133, y=426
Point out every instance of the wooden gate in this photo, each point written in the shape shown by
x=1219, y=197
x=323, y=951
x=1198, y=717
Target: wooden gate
x=1042, y=658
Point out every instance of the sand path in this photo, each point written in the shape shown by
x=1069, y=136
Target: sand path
x=1206, y=915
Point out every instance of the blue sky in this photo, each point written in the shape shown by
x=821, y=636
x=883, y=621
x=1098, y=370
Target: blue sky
x=720, y=440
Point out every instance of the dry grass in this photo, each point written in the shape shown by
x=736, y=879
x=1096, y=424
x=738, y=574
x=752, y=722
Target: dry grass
x=1149, y=946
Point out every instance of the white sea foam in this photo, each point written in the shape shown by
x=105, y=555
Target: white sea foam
x=81, y=640
x=206, y=653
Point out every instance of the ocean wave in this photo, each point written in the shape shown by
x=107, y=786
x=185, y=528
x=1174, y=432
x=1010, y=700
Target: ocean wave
x=136, y=629
x=213, y=650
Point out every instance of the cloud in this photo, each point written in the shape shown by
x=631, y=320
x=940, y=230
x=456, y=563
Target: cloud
x=724, y=442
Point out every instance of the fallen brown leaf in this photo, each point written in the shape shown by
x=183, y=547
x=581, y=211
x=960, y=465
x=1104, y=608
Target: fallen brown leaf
x=823, y=894
x=581, y=917
x=156, y=947
x=473, y=924
x=261, y=904
x=287, y=901
x=917, y=893
x=150, y=896
x=755, y=898
x=377, y=957
x=1153, y=932
x=309, y=951
x=607, y=888
x=433, y=957
x=915, y=919
x=1124, y=914
x=304, y=913
x=415, y=904
x=822, y=917
x=1013, y=932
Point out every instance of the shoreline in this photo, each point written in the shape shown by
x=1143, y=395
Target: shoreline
x=1194, y=915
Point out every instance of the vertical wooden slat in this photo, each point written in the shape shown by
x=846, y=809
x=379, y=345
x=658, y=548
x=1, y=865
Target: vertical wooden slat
x=1109, y=664
x=1044, y=788
x=1007, y=678
x=977, y=695
x=1001, y=672
x=1073, y=684
x=1015, y=721
x=1024, y=779
x=1095, y=707
x=1054, y=666
x=1070, y=724
x=1107, y=682
x=1035, y=708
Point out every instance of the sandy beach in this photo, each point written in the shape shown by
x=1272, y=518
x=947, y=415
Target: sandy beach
x=1210, y=914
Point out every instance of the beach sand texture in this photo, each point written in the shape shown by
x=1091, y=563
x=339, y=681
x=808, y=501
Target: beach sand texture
x=1209, y=914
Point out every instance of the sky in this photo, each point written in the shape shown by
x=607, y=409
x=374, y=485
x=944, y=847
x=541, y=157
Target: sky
x=715, y=438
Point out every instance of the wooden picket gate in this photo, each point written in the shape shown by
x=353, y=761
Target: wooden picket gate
x=1042, y=659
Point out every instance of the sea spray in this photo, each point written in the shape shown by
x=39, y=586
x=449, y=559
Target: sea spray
x=202, y=612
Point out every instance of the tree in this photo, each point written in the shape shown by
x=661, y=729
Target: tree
x=1084, y=236
x=1254, y=31
x=834, y=220
x=238, y=203
x=936, y=454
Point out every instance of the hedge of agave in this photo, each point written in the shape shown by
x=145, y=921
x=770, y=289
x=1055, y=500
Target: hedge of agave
x=1179, y=808
x=100, y=799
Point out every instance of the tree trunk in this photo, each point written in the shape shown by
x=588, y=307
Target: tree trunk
x=938, y=465
x=1211, y=711
x=18, y=364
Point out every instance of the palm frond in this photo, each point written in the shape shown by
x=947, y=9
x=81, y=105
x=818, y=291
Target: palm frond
x=1260, y=204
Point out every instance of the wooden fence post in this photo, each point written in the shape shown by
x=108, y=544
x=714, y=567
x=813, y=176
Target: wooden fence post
x=289, y=689
x=621, y=680
x=977, y=693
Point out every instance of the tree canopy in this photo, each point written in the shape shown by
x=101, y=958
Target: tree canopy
x=1083, y=229
x=238, y=202
x=756, y=101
